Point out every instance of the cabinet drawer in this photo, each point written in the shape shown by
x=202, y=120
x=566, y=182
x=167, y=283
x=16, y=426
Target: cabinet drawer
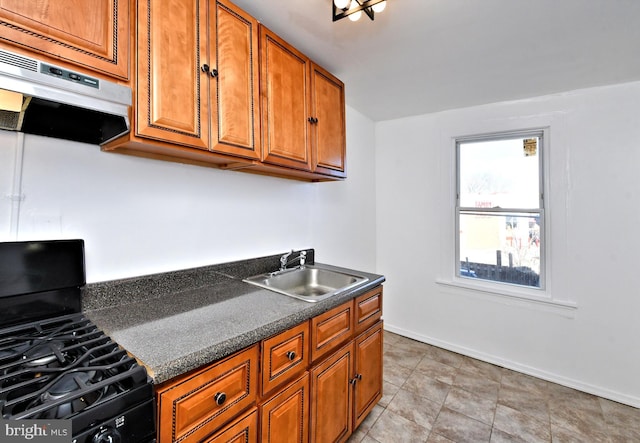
x=368, y=309
x=243, y=430
x=284, y=357
x=330, y=329
x=195, y=406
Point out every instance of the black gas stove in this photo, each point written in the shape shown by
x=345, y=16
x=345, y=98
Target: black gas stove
x=54, y=362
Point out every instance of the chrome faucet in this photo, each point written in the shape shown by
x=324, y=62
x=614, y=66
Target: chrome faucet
x=284, y=260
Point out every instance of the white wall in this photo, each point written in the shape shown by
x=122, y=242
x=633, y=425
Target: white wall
x=594, y=199
x=141, y=216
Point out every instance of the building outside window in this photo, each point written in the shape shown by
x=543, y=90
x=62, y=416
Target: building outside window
x=500, y=208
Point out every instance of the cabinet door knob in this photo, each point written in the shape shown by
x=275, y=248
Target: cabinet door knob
x=214, y=73
x=291, y=355
x=220, y=398
x=205, y=68
x=312, y=120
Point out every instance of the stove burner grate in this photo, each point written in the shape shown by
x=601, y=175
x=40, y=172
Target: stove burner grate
x=61, y=367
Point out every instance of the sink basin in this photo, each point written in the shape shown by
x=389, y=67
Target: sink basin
x=307, y=283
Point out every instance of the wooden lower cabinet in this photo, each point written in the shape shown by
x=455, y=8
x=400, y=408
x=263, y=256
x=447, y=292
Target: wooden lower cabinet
x=243, y=430
x=284, y=418
x=345, y=387
x=284, y=357
x=368, y=372
x=331, y=393
x=273, y=392
x=196, y=405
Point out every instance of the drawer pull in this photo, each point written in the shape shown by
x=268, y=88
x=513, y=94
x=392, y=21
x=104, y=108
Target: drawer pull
x=356, y=379
x=291, y=355
x=220, y=398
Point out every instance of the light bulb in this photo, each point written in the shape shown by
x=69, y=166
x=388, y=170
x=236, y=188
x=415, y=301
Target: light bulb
x=356, y=15
x=379, y=7
x=341, y=4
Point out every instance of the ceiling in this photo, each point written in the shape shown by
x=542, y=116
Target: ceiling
x=422, y=56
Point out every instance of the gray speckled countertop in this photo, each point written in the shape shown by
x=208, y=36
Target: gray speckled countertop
x=175, y=322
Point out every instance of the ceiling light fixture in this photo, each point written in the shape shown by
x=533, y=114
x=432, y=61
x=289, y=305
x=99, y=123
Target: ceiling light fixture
x=354, y=8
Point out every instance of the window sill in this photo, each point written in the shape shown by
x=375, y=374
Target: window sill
x=512, y=297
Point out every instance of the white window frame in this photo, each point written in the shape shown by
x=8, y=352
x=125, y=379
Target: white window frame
x=531, y=133
x=538, y=298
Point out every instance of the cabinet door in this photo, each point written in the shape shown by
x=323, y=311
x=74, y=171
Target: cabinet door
x=172, y=90
x=235, y=116
x=368, y=372
x=331, y=393
x=284, y=417
x=94, y=35
x=328, y=132
x=243, y=430
x=285, y=103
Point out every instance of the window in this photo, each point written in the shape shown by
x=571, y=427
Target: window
x=500, y=208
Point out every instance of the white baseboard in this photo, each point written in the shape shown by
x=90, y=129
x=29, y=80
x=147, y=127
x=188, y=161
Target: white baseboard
x=535, y=372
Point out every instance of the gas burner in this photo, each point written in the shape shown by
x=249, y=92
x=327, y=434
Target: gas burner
x=66, y=385
x=70, y=382
x=43, y=354
x=13, y=352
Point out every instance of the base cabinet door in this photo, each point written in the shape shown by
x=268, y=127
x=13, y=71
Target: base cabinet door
x=331, y=393
x=368, y=372
x=244, y=430
x=284, y=418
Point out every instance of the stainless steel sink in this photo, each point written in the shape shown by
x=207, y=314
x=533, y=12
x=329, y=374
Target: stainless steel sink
x=307, y=283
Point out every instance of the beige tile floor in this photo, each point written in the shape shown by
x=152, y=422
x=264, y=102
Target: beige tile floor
x=433, y=395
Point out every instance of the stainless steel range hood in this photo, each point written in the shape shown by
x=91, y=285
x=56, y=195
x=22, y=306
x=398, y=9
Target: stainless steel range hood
x=44, y=99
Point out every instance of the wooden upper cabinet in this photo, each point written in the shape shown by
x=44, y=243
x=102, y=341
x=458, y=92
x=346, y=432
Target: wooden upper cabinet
x=172, y=92
x=303, y=110
x=285, y=103
x=235, y=95
x=91, y=34
x=328, y=117
x=198, y=76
